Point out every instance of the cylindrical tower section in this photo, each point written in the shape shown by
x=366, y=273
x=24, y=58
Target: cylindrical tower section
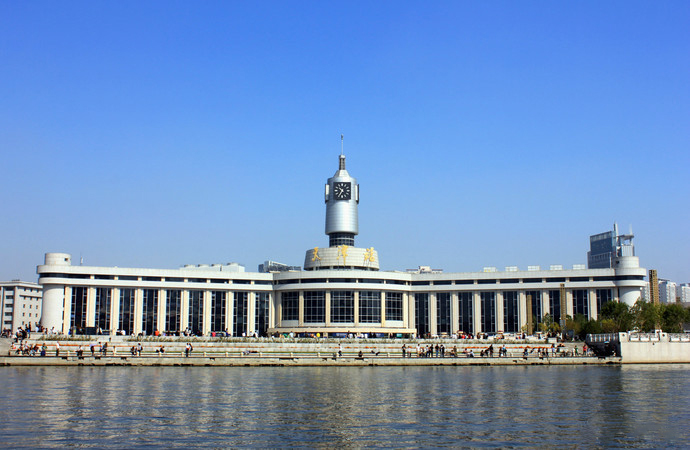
x=58, y=259
x=52, y=309
x=630, y=295
x=342, y=197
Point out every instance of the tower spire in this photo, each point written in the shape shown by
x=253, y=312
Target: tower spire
x=341, y=144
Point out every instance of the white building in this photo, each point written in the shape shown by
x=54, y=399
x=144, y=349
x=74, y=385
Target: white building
x=683, y=292
x=21, y=304
x=667, y=291
x=341, y=290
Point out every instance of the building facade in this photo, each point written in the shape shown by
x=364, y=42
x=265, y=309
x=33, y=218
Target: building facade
x=340, y=291
x=21, y=304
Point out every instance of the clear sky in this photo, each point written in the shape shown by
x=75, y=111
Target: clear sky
x=162, y=133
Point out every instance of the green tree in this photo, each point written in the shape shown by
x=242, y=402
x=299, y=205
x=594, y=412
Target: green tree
x=673, y=316
x=618, y=317
x=647, y=316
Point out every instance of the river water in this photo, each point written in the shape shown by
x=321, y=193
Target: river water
x=525, y=406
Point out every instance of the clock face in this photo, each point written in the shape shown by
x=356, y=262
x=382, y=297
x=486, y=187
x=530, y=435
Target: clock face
x=342, y=191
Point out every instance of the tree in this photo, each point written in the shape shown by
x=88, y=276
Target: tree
x=673, y=316
x=647, y=316
x=618, y=317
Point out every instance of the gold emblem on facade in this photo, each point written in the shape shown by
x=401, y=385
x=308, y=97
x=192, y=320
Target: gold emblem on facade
x=316, y=256
x=342, y=253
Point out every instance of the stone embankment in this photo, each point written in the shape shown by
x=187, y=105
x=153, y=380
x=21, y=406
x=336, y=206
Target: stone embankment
x=123, y=351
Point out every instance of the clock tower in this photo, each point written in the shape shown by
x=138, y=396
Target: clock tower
x=342, y=197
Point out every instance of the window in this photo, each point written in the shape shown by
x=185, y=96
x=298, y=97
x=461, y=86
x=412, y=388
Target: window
x=555, y=305
x=103, y=308
x=173, y=306
x=261, y=312
x=443, y=313
x=488, y=303
x=78, y=315
x=218, y=310
x=196, y=312
x=314, y=306
x=126, y=322
x=239, y=324
x=603, y=297
x=342, y=307
x=465, y=320
x=537, y=313
x=580, y=302
x=149, y=318
x=511, y=322
x=394, y=306
x=369, y=307
x=290, y=305
x=421, y=314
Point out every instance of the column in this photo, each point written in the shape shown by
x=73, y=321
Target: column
x=162, y=309
x=433, y=314
x=522, y=306
x=500, y=313
x=454, y=312
x=328, y=308
x=184, y=310
x=91, y=306
x=408, y=310
x=230, y=311
x=383, y=309
x=138, y=310
x=206, y=319
x=356, y=301
x=569, y=302
x=271, y=310
x=545, y=304
x=300, y=315
x=476, y=312
x=115, y=311
x=251, y=312
x=592, y=299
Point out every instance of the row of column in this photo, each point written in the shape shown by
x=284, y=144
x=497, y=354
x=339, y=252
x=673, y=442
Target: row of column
x=499, y=305
x=161, y=311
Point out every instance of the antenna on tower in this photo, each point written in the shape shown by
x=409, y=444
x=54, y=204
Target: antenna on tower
x=341, y=143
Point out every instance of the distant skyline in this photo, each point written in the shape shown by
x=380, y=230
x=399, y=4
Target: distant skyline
x=159, y=134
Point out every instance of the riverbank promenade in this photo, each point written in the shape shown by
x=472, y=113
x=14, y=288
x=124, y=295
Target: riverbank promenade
x=182, y=351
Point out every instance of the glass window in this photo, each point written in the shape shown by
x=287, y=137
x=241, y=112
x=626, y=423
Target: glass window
x=580, y=302
x=103, y=296
x=369, y=307
x=261, y=314
x=290, y=305
x=421, y=313
x=603, y=297
x=149, y=317
x=511, y=322
x=342, y=307
x=537, y=313
x=173, y=306
x=394, y=306
x=196, y=312
x=443, y=313
x=218, y=310
x=488, y=302
x=78, y=315
x=465, y=312
x=127, y=310
x=314, y=306
x=239, y=325
x=555, y=305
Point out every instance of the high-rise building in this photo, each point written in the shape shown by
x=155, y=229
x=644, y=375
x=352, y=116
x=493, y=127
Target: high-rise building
x=21, y=304
x=605, y=247
x=667, y=291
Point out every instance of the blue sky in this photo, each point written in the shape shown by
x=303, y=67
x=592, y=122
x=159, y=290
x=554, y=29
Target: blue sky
x=156, y=134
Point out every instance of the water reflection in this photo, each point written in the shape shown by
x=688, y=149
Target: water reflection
x=350, y=407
